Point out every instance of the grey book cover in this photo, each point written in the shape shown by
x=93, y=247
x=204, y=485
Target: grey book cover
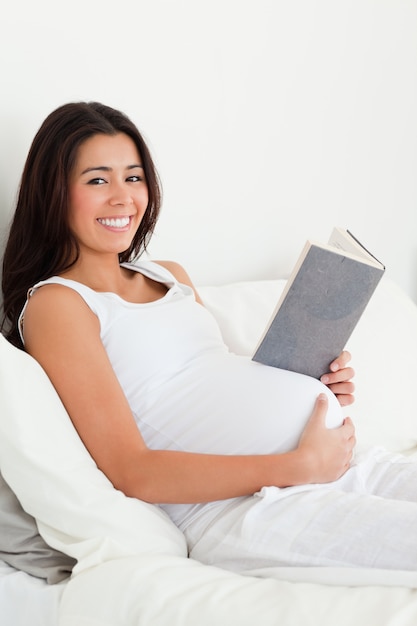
x=319, y=312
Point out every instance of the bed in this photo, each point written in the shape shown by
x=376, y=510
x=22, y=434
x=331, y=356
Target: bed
x=131, y=566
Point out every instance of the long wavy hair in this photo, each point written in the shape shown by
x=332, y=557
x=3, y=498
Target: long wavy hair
x=40, y=242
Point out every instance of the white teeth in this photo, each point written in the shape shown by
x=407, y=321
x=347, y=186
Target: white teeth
x=114, y=222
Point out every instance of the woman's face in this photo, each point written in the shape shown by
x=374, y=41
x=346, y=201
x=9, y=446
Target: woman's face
x=108, y=194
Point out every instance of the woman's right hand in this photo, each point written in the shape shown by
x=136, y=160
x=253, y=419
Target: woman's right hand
x=326, y=453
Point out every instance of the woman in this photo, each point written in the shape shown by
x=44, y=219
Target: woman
x=167, y=413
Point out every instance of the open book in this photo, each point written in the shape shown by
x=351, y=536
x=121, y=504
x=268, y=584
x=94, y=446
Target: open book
x=320, y=306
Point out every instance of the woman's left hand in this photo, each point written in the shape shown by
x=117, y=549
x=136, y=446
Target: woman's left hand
x=339, y=379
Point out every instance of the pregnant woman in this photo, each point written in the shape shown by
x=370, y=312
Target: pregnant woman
x=253, y=463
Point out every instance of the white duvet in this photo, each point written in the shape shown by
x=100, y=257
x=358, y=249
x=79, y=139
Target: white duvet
x=132, y=565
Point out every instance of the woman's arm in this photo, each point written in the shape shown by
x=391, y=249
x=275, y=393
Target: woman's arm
x=62, y=333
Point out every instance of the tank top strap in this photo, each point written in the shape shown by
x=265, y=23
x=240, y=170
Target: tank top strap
x=152, y=270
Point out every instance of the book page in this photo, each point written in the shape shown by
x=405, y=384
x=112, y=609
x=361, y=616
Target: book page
x=344, y=240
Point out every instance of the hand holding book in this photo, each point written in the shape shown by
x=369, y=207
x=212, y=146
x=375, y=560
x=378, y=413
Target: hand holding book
x=324, y=299
x=339, y=379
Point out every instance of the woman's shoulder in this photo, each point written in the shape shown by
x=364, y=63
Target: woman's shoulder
x=55, y=294
x=46, y=293
x=180, y=275
x=169, y=272
x=56, y=302
x=162, y=268
x=53, y=305
x=175, y=269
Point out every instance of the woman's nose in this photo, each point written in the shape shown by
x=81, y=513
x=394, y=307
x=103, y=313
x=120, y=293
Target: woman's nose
x=120, y=194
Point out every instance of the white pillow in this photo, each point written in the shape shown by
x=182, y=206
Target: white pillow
x=383, y=347
x=384, y=350
x=45, y=463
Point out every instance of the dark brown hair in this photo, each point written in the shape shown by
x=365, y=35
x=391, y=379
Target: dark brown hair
x=40, y=242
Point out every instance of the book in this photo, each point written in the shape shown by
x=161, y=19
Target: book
x=320, y=305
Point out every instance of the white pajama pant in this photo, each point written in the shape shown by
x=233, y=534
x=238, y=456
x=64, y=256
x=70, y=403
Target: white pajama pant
x=368, y=518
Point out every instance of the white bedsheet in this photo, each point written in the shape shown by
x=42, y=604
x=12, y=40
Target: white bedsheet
x=154, y=591
x=142, y=592
x=27, y=601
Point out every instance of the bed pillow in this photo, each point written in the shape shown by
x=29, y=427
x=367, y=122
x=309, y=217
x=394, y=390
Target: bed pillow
x=383, y=347
x=42, y=458
x=21, y=545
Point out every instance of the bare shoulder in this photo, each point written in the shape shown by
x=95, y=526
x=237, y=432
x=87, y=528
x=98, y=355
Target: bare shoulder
x=55, y=308
x=180, y=274
x=176, y=269
x=52, y=298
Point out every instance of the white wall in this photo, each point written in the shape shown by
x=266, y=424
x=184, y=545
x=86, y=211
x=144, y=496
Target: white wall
x=270, y=121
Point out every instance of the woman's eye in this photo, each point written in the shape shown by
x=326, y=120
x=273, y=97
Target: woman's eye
x=135, y=179
x=96, y=181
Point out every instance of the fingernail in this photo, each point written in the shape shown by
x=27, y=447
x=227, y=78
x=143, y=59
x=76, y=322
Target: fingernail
x=325, y=379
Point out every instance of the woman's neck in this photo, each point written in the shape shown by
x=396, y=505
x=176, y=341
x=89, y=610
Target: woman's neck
x=103, y=274
x=110, y=277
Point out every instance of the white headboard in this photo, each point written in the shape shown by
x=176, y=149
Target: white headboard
x=270, y=122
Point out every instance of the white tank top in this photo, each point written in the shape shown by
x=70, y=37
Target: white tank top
x=185, y=389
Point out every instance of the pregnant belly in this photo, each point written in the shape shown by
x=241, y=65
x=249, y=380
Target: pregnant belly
x=227, y=404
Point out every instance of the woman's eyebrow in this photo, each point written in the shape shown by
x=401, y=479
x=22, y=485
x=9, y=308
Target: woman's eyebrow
x=105, y=168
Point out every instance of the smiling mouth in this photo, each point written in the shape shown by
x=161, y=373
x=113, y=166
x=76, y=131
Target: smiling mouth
x=114, y=222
